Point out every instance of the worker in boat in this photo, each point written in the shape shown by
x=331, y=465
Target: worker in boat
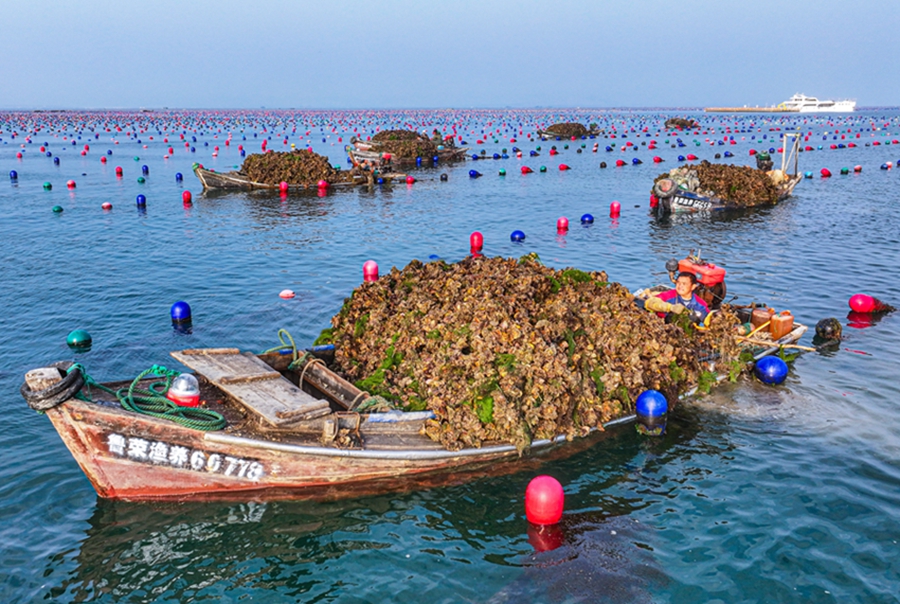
x=679, y=300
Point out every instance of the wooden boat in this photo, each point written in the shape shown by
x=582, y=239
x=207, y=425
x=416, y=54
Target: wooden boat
x=367, y=154
x=211, y=179
x=762, y=343
x=281, y=438
x=679, y=200
x=688, y=201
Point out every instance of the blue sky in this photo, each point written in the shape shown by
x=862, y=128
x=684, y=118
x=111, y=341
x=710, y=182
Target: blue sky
x=419, y=54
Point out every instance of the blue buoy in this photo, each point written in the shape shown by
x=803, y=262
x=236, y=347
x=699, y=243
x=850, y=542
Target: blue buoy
x=418, y=161
x=435, y=159
x=807, y=175
x=475, y=156
x=681, y=158
x=49, y=154
x=771, y=370
x=141, y=200
x=729, y=154
x=474, y=173
x=56, y=160
x=180, y=312
x=178, y=177
x=651, y=409
x=380, y=180
x=532, y=153
x=517, y=236
x=109, y=151
x=608, y=148
x=884, y=166
x=444, y=178
x=13, y=175
x=145, y=169
x=587, y=219
x=636, y=161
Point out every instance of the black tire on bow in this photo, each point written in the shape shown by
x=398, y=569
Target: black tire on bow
x=59, y=392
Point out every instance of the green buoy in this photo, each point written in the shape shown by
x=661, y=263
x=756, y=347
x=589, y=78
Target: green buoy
x=502, y=172
x=57, y=209
x=543, y=168
x=79, y=339
x=47, y=186
x=141, y=180
x=136, y=158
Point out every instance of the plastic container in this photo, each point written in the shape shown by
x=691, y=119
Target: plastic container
x=760, y=316
x=781, y=324
x=707, y=274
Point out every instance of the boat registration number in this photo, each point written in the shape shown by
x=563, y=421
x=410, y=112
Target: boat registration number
x=161, y=453
x=697, y=204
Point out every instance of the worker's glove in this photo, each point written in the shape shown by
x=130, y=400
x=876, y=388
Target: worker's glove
x=677, y=308
x=656, y=305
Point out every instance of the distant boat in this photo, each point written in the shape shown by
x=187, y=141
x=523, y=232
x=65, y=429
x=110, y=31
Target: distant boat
x=809, y=104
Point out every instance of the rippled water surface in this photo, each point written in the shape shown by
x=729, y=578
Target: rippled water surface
x=755, y=494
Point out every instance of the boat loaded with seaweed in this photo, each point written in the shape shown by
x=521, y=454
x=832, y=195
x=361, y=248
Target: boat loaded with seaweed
x=403, y=148
x=290, y=171
x=707, y=186
x=433, y=374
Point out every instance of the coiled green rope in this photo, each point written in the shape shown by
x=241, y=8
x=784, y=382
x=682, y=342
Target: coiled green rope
x=152, y=401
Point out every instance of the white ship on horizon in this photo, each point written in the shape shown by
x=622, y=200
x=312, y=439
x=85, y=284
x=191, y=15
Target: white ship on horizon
x=810, y=104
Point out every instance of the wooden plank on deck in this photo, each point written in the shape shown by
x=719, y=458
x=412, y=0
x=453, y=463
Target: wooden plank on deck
x=252, y=383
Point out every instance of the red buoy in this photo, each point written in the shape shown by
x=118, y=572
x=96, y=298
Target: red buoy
x=118, y=170
x=186, y=197
x=283, y=187
x=825, y=172
x=654, y=200
x=857, y=168
x=410, y=179
x=476, y=241
x=70, y=184
x=862, y=303
x=620, y=163
x=526, y=170
x=544, y=499
x=102, y=159
x=691, y=156
x=563, y=167
x=370, y=271
x=106, y=205
x=657, y=159
x=562, y=224
x=615, y=208
x=322, y=184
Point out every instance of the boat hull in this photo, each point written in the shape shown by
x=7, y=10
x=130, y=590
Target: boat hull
x=686, y=201
x=134, y=457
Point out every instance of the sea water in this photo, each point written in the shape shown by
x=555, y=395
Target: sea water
x=754, y=494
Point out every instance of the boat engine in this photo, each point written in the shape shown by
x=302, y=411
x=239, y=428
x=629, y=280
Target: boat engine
x=711, y=278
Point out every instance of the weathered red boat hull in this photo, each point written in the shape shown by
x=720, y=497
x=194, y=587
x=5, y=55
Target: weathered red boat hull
x=134, y=457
